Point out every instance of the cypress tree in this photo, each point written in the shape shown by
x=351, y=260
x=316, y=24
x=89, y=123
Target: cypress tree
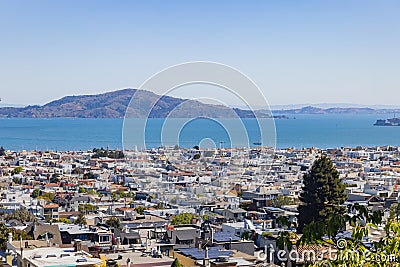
x=176, y=263
x=323, y=194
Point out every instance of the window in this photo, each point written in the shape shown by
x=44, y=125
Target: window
x=104, y=238
x=43, y=236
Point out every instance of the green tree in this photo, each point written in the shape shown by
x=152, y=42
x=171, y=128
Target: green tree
x=114, y=222
x=352, y=251
x=176, y=263
x=125, y=194
x=114, y=197
x=17, y=180
x=23, y=215
x=47, y=196
x=140, y=210
x=394, y=211
x=114, y=154
x=323, y=194
x=64, y=220
x=77, y=171
x=159, y=206
x=122, y=194
x=183, y=218
x=17, y=170
x=267, y=234
x=2, y=151
x=36, y=193
x=80, y=220
x=17, y=235
x=282, y=221
x=245, y=235
x=280, y=201
x=87, y=208
x=245, y=205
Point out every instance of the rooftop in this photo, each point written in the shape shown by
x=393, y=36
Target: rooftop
x=199, y=254
x=58, y=257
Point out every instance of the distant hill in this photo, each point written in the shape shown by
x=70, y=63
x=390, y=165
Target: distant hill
x=334, y=105
x=108, y=105
x=114, y=105
x=336, y=110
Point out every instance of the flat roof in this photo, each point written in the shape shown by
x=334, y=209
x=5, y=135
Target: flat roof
x=73, y=229
x=59, y=257
x=199, y=254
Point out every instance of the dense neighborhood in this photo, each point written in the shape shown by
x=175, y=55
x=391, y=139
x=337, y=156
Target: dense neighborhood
x=176, y=207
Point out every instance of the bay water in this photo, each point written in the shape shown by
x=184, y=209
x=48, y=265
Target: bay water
x=322, y=131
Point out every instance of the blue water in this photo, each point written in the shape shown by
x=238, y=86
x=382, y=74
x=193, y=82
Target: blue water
x=323, y=131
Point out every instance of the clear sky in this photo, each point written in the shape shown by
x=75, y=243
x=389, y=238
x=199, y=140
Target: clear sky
x=296, y=51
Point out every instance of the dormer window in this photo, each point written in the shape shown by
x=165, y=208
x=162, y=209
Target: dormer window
x=43, y=236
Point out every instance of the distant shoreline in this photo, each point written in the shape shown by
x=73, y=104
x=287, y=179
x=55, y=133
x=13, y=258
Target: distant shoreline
x=281, y=114
x=146, y=104
x=186, y=148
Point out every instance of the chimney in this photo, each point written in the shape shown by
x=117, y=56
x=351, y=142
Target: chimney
x=22, y=250
x=206, y=260
x=78, y=245
x=9, y=238
x=118, y=242
x=47, y=240
x=212, y=235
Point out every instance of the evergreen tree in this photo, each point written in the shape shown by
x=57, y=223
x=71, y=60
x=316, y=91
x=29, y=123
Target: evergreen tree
x=80, y=220
x=176, y=263
x=36, y=193
x=23, y=215
x=17, y=235
x=183, y=218
x=140, y=210
x=114, y=222
x=323, y=194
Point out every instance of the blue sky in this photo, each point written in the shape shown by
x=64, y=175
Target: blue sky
x=296, y=51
